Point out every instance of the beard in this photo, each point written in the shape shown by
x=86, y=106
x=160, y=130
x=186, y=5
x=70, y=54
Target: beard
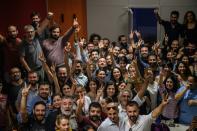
x=54, y=37
x=95, y=118
x=39, y=117
x=133, y=118
x=62, y=79
x=33, y=83
x=35, y=24
x=123, y=43
x=77, y=71
x=66, y=113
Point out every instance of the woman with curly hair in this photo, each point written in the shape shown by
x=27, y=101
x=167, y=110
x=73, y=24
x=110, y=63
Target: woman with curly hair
x=170, y=86
x=190, y=27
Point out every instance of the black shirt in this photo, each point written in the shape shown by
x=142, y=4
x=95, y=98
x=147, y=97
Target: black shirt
x=173, y=32
x=33, y=125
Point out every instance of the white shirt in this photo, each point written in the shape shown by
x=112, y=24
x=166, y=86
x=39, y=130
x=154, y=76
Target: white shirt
x=87, y=103
x=143, y=123
x=153, y=90
x=122, y=112
x=108, y=125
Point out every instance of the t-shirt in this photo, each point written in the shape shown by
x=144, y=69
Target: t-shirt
x=31, y=52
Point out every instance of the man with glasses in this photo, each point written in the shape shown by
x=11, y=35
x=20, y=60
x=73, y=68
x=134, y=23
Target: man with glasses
x=111, y=123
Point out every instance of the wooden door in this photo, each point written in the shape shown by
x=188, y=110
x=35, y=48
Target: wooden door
x=63, y=14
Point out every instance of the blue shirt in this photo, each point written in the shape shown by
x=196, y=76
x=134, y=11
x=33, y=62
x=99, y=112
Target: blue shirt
x=36, y=99
x=187, y=112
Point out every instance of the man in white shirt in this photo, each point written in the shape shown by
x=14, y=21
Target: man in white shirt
x=136, y=122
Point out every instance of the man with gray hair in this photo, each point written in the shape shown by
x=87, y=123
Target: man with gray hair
x=67, y=108
x=31, y=49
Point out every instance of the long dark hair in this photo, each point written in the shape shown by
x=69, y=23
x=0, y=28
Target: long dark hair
x=114, y=97
x=121, y=76
x=185, y=17
x=175, y=83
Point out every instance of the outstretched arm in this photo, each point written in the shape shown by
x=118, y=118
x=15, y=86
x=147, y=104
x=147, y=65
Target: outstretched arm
x=157, y=16
x=55, y=80
x=66, y=62
x=44, y=23
x=23, y=105
x=70, y=31
x=179, y=95
x=158, y=110
x=46, y=67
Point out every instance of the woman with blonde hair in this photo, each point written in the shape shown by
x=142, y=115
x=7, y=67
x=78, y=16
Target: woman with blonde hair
x=62, y=123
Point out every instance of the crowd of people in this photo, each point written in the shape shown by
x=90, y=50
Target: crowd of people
x=132, y=84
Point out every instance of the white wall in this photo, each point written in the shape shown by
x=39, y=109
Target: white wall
x=109, y=18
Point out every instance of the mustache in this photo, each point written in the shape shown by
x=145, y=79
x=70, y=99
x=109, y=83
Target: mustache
x=133, y=118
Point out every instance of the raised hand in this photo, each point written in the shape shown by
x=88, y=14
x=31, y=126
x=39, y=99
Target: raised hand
x=100, y=91
x=67, y=49
x=165, y=99
x=82, y=41
x=25, y=90
x=131, y=35
x=156, y=11
x=139, y=43
x=166, y=38
x=134, y=62
x=138, y=34
x=81, y=100
x=50, y=15
x=101, y=45
x=156, y=45
x=75, y=23
x=77, y=29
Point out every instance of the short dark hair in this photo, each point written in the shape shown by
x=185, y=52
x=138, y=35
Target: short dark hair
x=39, y=103
x=119, y=37
x=95, y=105
x=122, y=58
x=95, y=50
x=44, y=83
x=132, y=103
x=152, y=54
x=67, y=97
x=87, y=127
x=56, y=94
x=106, y=39
x=108, y=100
x=174, y=12
x=34, y=13
x=32, y=71
x=54, y=26
x=92, y=36
x=61, y=66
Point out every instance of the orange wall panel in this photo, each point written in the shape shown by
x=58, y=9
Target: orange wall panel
x=63, y=14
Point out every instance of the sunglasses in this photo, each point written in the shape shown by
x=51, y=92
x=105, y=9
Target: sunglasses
x=112, y=106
